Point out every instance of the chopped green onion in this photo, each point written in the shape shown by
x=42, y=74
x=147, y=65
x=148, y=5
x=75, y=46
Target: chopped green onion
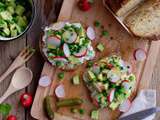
x=81, y=111
x=97, y=23
x=90, y=64
x=105, y=33
x=61, y=75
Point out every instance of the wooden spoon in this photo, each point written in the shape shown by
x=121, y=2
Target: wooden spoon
x=21, y=79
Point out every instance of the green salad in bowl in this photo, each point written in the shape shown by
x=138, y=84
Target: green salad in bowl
x=15, y=18
x=66, y=45
x=111, y=83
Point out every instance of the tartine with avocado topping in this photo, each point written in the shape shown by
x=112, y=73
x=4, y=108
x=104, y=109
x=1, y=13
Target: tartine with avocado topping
x=66, y=45
x=110, y=81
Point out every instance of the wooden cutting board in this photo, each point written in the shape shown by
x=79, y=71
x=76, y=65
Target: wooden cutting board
x=118, y=42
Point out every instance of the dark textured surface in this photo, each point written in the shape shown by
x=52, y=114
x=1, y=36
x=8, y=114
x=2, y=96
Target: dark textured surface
x=47, y=12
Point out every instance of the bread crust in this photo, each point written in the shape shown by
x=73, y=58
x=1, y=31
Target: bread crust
x=145, y=20
x=122, y=7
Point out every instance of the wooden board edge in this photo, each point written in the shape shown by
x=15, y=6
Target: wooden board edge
x=149, y=65
x=64, y=15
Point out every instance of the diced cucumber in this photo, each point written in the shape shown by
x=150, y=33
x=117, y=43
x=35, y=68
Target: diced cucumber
x=76, y=80
x=100, y=47
x=95, y=114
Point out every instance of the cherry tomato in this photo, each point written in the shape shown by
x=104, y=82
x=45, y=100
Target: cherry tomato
x=26, y=100
x=11, y=117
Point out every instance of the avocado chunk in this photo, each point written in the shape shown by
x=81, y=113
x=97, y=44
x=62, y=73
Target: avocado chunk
x=76, y=80
x=91, y=75
x=6, y=15
x=114, y=105
x=19, y=10
x=95, y=114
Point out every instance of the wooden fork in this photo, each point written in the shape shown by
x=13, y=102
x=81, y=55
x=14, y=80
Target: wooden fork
x=20, y=60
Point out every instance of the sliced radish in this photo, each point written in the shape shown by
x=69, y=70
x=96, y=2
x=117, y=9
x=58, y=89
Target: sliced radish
x=58, y=25
x=129, y=67
x=44, y=81
x=81, y=53
x=111, y=95
x=91, y=33
x=53, y=40
x=126, y=85
x=95, y=102
x=113, y=76
x=140, y=54
x=125, y=106
x=96, y=69
x=61, y=59
x=59, y=91
x=66, y=50
x=69, y=37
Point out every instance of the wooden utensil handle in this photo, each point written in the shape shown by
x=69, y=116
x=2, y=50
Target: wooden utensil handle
x=9, y=70
x=6, y=94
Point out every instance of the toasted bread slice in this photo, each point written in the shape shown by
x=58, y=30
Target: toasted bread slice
x=122, y=7
x=145, y=20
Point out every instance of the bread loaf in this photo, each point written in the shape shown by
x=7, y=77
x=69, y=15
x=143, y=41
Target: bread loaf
x=122, y=7
x=145, y=20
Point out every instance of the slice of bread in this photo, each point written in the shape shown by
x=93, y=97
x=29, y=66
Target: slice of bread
x=145, y=20
x=122, y=7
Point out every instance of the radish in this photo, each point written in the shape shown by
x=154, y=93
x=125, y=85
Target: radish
x=111, y=95
x=58, y=25
x=129, y=67
x=53, y=40
x=125, y=106
x=91, y=33
x=44, y=81
x=81, y=53
x=140, y=54
x=95, y=102
x=59, y=91
x=113, y=76
x=69, y=37
x=60, y=59
x=66, y=50
x=126, y=85
x=96, y=69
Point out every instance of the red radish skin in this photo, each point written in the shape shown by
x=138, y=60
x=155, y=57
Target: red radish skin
x=84, y=5
x=111, y=95
x=66, y=50
x=59, y=58
x=59, y=91
x=110, y=66
x=82, y=53
x=11, y=117
x=126, y=85
x=91, y=33
x=140, y=54
x=95, y=102
x=125, y=106
x=26, y=100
